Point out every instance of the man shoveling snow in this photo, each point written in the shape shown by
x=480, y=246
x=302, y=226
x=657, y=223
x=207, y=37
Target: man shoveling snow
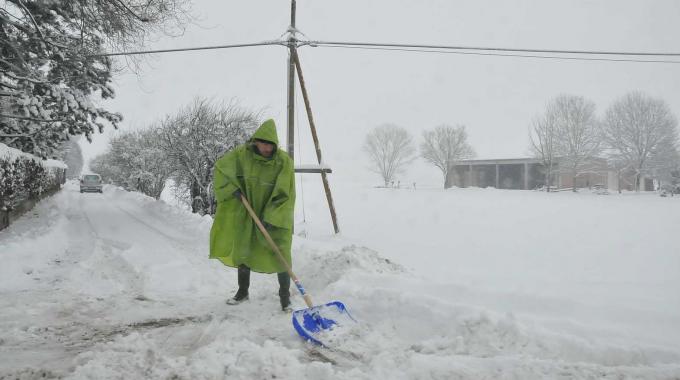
x=264, y=174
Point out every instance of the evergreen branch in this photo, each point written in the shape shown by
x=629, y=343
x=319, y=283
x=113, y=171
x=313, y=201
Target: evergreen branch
x=30, y=16
x=29, y=118
x=11, y=65
x=16, y=77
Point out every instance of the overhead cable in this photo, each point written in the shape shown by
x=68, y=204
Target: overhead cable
x=263, y=43
x=575, y=55
x=494, y=49
x=554, y=57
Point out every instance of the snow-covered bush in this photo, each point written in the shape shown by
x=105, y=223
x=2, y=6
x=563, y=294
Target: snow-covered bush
x=23, y=176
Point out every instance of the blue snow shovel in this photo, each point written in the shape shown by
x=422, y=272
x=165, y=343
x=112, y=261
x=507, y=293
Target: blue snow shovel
x=315, y=321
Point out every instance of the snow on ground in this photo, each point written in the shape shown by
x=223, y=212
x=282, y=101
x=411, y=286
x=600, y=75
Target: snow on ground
x=601, y=258
x=464, y=283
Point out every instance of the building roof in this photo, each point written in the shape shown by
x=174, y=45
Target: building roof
x=520, y=161
x=527, y=160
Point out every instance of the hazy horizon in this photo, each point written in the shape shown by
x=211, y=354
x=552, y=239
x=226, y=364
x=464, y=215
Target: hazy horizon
x=353, y=91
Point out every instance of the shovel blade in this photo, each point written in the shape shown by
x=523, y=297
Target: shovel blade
x=312, y=323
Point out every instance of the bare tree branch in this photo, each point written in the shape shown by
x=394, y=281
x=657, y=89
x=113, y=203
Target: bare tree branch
x=390, y=148
x=639, y=131
x=443, y=147
x=569, y=131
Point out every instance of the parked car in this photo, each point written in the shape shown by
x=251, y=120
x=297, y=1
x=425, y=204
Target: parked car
x=91, y=183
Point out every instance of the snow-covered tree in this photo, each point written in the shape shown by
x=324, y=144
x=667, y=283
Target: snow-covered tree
x=665, y=167
x=50, y=74
x=641, y=132
x=195, y=137
x=619, y=167
x=575, y=134
x=142, y=165
x=390, y=148
x=134, y=161
x=71, y=154
x=102, y=164
x=543, y=143
x=443, y=147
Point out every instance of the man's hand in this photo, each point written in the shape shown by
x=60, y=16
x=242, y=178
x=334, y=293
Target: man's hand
x=237, y=194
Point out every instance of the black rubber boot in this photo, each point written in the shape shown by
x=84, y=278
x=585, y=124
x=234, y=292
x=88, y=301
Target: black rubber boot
x=243, y=285
x=284, y=291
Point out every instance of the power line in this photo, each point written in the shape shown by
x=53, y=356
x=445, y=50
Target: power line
x=499, y=54
x=439, y=49
x=497, y=49
x=263, y=43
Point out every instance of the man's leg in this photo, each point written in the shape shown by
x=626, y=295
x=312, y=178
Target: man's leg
x=243, y=284
x=284, y=290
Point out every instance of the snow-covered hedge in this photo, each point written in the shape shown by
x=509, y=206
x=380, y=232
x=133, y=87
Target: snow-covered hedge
x=24, y=176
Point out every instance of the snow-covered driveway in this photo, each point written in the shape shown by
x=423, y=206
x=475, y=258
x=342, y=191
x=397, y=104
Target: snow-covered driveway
x=119, y=286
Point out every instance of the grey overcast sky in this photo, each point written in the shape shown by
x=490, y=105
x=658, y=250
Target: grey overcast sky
x=355, y=90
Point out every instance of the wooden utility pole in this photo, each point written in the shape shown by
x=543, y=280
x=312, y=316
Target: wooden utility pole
x=293, y=66
x=317, y=147
x=290, y=138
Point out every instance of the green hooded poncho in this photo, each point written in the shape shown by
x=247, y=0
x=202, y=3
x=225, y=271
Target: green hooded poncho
x=269, y=185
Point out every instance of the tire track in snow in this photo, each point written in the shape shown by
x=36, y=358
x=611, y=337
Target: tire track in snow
x=65, y=317
x=87, y=218
x=153, y=228
x=55, y=316
x=104, y=260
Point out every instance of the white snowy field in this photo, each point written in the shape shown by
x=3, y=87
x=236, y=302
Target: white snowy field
x=464, y=283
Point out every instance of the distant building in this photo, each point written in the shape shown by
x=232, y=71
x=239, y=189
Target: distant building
x=529, y=173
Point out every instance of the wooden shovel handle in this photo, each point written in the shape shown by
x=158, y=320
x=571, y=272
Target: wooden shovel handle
x=260, y=226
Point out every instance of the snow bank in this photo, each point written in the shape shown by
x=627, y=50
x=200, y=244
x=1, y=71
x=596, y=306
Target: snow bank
x=30, y=248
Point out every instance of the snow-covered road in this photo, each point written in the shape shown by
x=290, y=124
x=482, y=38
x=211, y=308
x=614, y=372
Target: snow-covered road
x=119, y=286
x=86, y=269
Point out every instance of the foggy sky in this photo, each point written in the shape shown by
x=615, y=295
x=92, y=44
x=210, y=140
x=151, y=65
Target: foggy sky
x=354, y=90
